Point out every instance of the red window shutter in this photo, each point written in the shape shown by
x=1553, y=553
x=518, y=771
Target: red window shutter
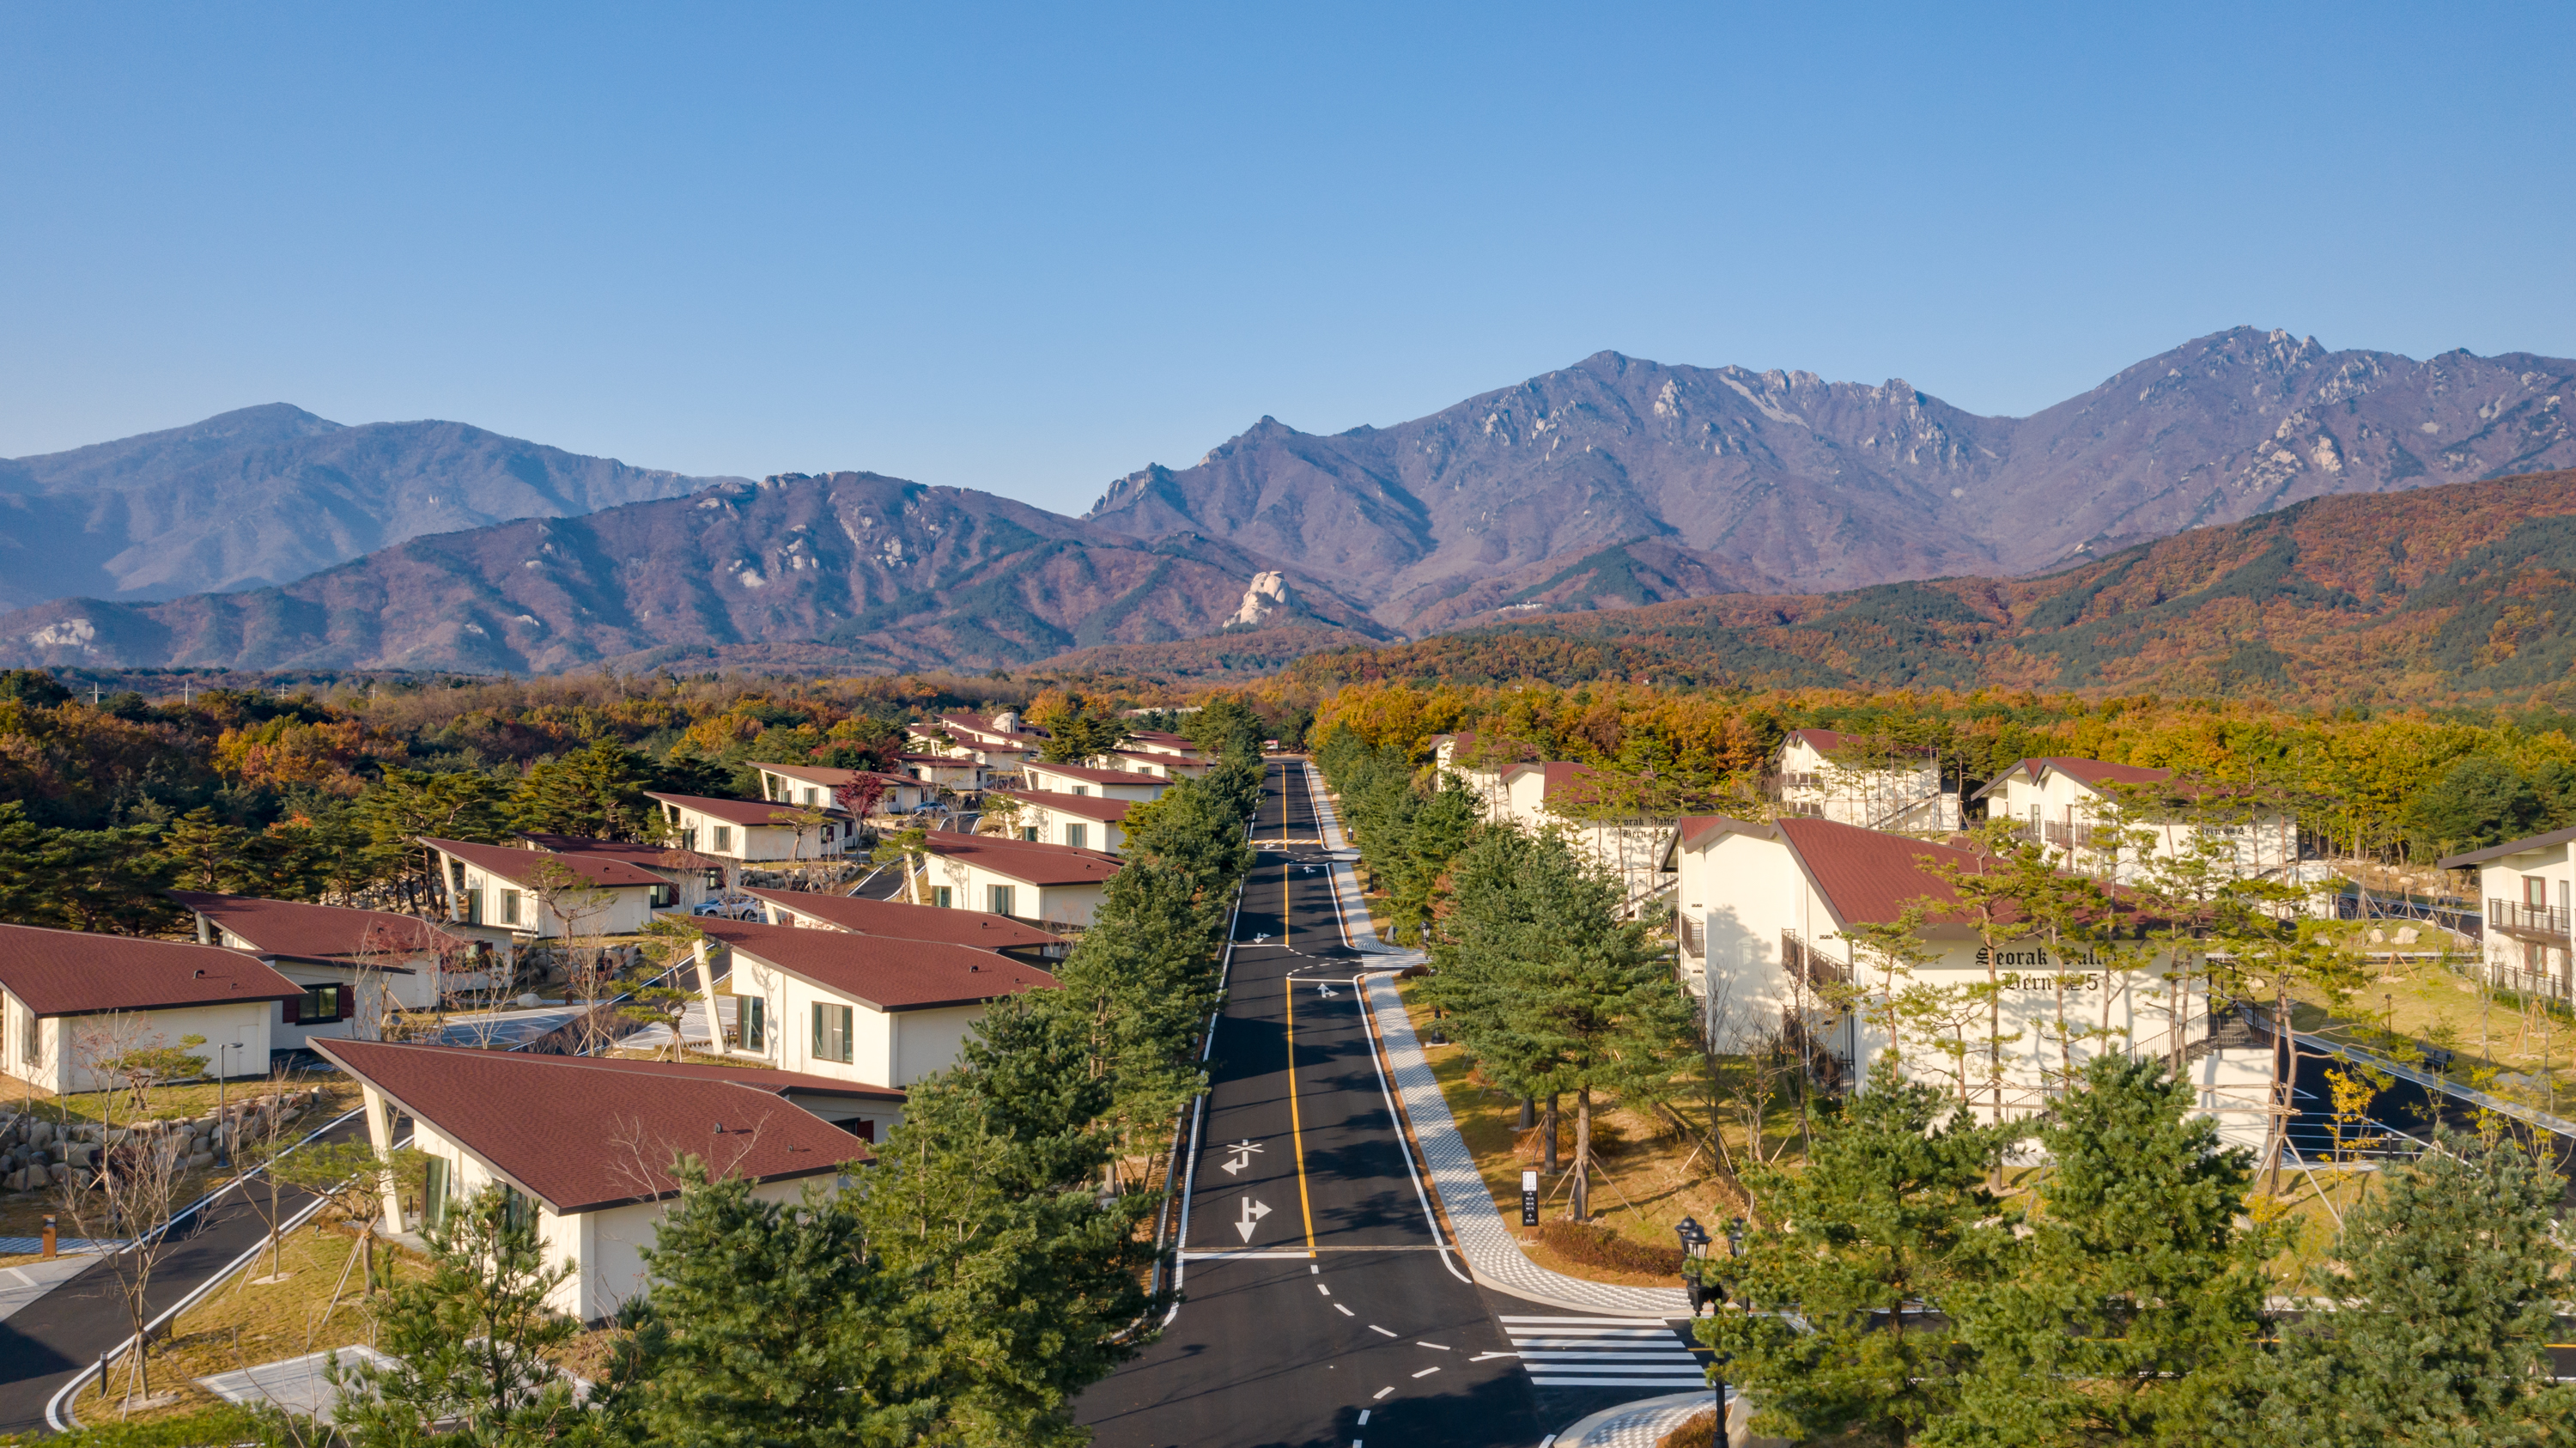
x=290, y=1010
x=867, y=1131
x=348, y=1000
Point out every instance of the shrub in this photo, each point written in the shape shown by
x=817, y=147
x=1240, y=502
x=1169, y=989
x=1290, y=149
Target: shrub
x=1600, y=1247
x=1693, y=1432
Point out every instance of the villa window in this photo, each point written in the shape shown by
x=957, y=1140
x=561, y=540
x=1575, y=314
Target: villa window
x=433, y=1196
x=751, y=1022
x=1076, y=836
x=724, y=838
x=939, y=896
x=832, y=1032
x=509, y=907
x=998, y=899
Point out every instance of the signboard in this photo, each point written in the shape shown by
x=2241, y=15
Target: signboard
x=1529, y=1199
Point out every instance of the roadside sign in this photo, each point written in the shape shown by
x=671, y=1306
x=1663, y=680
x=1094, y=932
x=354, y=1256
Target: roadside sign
x=1529, y=1199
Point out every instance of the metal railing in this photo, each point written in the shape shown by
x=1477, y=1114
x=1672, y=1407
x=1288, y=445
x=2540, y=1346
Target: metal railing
x=2535, y=919
x=1694, y=937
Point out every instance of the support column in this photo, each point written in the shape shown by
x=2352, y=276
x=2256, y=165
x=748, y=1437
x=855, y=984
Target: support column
x=380, y=1135
x=707, y=991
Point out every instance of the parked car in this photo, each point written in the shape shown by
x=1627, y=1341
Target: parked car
x=730, y=907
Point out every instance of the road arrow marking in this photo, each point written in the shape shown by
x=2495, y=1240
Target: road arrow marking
x=1252, y=1212
x=1243, y=1151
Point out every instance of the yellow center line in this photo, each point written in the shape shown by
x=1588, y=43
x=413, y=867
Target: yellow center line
x=1296, y=1128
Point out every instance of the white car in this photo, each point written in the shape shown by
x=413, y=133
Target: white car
x=730, y=907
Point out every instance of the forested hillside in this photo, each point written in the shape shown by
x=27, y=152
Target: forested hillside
x=2460, y=593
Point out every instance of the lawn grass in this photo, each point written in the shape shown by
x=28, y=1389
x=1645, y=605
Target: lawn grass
x=2429, y=995
x=247, y=1322
x=1647, y=1175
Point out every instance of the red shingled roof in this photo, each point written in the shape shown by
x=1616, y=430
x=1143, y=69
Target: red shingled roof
x=517, y=864
x=75, y=973
x=832, y=777
x=733, y=811
x=1866, y=875
x=881, y=971
x=1087, y=806
x=580, y=1134
x=1089, y=775
x=2093, y=772
x=298, y=931
x=643, y=857
x=895, y=919
x=1024, y=861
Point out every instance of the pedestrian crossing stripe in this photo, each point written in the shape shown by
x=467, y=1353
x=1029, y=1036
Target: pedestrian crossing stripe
x=1602, y=1352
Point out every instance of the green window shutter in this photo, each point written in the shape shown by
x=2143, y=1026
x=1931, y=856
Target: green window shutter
x=434, y=1195
x=820, y=1053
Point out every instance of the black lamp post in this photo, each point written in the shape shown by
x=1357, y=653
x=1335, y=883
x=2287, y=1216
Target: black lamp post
x=1705, y=1293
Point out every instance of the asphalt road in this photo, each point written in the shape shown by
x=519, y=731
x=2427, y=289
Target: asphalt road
x=44, y=1343
x=1332, y=1318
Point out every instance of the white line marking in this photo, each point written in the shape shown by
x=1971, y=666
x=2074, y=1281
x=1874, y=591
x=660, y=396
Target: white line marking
x=1364, y=1417
x=1373, y=1327
x=1382, y=1392
x=1489, y=1356
x=1435, y=1346
x=1344, y=1311
x=1588, y=1321
x=1426, y=1372
x=1320, y=1287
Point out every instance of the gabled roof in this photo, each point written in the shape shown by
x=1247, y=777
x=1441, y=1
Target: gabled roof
x=1692, y=831
x=1556, y=775
x=1089, y=775
x=75, y=973
x=1026, y=862
x=2509, y=847
x=517, y=865
x=294, y=930
x=882, y=972
x=900, y=921
x=1826, y=741
x=733, y=811
x=831, y=778
x=2091, y=773
x=1158, y=739
x=644, y=857
x=1867, y=875
x=1087, y=806
x=581, y=1134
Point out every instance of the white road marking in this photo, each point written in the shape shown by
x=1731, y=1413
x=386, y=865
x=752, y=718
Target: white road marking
x=1373, y=1327
x=1344, y=1311
x=1577, y=1352
x=1320, y=1287
x=1382, y=1392
x=1426, y=1372
x=1437, y=1347
x=1252, y=1212
x=1364, y=1417
x=1489, y=1356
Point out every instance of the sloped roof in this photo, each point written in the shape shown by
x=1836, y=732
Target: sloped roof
x=579, y=1134
x=734, y=811
x=2509, y=847
x=1026, y=862
x=517, y=864
x=830, y=777
x=882, y=971
x=295, y=930
x=643, y=857
x=1088, y=806
x=76, y=973
x=1867, y=875
x=2092, y=773
x=901, y=921
x=1089, y=775
x=1826, y=741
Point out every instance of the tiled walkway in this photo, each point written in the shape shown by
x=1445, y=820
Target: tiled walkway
x=1635, y=1425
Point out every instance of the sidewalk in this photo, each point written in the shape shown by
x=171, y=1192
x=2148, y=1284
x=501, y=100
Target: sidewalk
x=1638, y=1425
x=1346, y=881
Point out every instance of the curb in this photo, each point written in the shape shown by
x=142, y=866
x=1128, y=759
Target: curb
x=1639, y=1424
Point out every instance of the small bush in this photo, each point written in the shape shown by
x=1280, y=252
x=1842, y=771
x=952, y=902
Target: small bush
x=225, y=1425
x=1694, y=1432
x=1600, y=1247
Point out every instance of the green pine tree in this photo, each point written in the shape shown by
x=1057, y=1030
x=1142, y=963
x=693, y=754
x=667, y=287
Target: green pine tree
x=2437, y=1330
x=1826, y=1327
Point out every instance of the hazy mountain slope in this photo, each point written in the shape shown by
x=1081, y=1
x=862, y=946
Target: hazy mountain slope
x=852, y=570
x=2461, y=591
x=1782, y=481
x=271, y=494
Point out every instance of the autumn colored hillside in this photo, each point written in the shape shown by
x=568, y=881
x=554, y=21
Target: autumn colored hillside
x=2461, y=593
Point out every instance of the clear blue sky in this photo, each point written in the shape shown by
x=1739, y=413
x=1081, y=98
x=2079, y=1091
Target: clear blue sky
x=1031, y=249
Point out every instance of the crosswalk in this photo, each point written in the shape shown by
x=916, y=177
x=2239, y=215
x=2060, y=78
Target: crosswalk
x=1603, y=1352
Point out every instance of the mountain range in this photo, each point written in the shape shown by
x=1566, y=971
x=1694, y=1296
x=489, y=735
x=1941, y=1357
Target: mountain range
x=1618, y=481
x=271, y=538
x=270, y=494
x=2464, y=592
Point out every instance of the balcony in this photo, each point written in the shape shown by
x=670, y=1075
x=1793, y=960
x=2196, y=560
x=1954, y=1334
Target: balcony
x=2528, y=922
x=1804, y=963
x=1694, y=938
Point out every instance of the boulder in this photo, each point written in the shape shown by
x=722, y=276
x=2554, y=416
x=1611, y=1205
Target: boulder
x=199, y=1161
x=2408, y=935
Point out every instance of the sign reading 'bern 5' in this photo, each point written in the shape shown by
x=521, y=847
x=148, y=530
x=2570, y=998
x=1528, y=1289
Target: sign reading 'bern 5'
x=2048, y=973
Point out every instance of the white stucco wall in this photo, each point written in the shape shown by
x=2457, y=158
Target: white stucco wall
x=67, y=1045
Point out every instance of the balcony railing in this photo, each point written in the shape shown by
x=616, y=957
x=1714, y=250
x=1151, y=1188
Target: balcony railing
x=1694, y=938
x=2529, y=919
x=1805, y=963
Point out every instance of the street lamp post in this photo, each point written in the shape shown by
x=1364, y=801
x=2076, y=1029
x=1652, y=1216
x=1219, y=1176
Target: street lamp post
x=1704, y=1293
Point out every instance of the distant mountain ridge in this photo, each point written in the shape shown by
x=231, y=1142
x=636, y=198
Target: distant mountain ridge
x=2462, y=592
x=271, y=494
x=1682, y=481
x=845, y=572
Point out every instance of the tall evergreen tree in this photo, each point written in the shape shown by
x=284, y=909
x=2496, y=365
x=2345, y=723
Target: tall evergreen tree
x=2130, y=1302
x=1889, y=1215
x=2439, y=1325
x=597, y=793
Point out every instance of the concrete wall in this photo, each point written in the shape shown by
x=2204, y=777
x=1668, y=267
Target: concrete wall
x=969, y=883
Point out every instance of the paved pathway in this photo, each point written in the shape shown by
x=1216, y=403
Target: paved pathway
x=1637, y=1425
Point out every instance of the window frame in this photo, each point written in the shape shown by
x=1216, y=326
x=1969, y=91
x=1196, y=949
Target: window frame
x=844, y=1025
